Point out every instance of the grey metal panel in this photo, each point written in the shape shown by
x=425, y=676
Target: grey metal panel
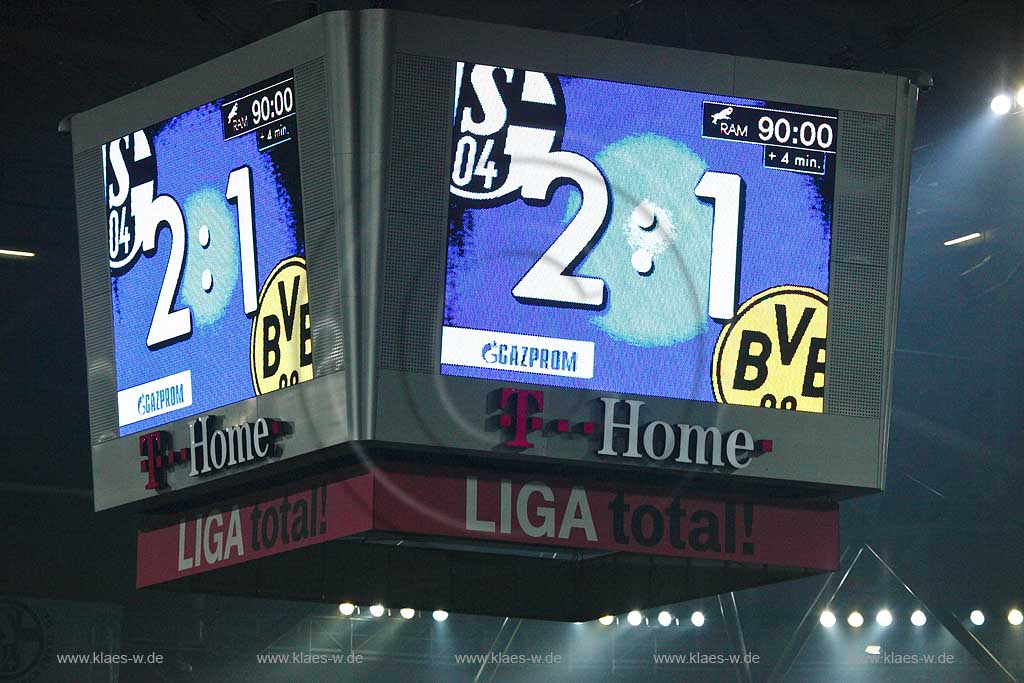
x=856, y=340
x=372, y=71
x=648, y=65
x=92, y=223
x=96, y=304
x=863, y=243
x=417, y=214
x=816, y=86
x=457, y=412
x=471, y=40
x=906, y=108
x=322, y=238
x=344, y=95
x=319, y=408
x=864, y=188
x=859, y=277
x=315, y=409
x=197, y=86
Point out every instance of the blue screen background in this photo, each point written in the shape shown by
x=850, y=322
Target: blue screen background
x=648, y=339
x=193, y=163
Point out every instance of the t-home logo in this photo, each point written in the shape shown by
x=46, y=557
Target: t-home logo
x=211, y=450
x=624, y=434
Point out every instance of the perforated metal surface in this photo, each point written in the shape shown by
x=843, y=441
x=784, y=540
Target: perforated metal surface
x=96, y=305
x=860, y=252
x=863, y=208
x=416, y=214
x=323, y=266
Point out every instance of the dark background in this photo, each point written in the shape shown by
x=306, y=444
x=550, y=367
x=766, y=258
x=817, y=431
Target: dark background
x=950, y=522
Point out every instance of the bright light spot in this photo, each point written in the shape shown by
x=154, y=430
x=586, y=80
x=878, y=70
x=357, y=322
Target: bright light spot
x=664, y=618
x=884, y=617
x=855, y=619
x=440, y=615
x=1001, y=104
x=377, y=610
x=827, y=619
x=634, y=618
x=1015, y=617
x=873, y=649
x=977, y=617
x=407, y=612
x=697, y=619
x=918, y=618
x=1020, y=97
x=606, y=620
x=17, y=254
x=962, y=239
x=346, y=608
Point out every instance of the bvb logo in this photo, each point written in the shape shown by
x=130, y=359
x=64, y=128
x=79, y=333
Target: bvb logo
x=772, y=354
x=282, y=347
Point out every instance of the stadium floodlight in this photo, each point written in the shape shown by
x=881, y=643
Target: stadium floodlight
x=1001, y=104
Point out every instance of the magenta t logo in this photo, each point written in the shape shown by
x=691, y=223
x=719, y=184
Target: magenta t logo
x=154, y=449
x=525, y=403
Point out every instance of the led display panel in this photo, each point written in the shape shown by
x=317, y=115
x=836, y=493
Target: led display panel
x=636, y=239
x=207, y=257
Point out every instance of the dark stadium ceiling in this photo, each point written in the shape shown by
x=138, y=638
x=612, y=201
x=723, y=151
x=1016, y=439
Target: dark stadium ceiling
x=953, y=471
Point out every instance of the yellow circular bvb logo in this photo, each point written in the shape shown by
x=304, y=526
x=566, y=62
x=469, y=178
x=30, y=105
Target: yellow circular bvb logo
x=282, y=346
x=772, y=354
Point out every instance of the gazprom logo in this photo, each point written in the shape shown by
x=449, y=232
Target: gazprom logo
x=156, y=401
x=517, y=352
x=529, y=357
x=154, y=398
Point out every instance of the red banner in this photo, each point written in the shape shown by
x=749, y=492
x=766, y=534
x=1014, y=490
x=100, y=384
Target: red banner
x=243, y=533
x=472, y=504
x=598, y=516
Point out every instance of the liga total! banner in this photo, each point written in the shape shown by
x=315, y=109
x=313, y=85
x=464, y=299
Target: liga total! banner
x=472, y=504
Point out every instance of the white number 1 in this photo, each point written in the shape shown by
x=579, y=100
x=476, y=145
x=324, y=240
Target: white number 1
x=240, y=191
x=726, y=191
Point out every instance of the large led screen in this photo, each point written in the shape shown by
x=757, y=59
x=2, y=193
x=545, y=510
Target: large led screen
x=207, y=257
x=636, y=239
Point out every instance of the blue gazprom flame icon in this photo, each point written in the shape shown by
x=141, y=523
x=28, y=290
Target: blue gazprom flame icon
x=489, y=349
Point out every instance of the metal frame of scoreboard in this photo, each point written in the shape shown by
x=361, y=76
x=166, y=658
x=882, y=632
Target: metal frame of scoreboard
x=374, y=101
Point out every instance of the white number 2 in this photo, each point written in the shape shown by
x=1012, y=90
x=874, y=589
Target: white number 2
x=550, y=280
x=168, y=325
